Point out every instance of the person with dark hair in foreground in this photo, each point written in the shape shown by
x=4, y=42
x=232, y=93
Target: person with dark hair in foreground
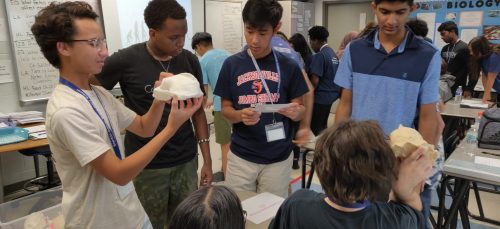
x=356, y=168
x=214, y=207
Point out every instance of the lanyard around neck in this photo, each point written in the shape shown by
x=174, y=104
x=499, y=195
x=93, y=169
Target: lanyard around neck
x=111, y=133
x=259, y=72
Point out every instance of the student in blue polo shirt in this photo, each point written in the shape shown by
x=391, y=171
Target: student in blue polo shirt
x=322, y=71
x=211, y=62
x=261, y=143
x=389, y=73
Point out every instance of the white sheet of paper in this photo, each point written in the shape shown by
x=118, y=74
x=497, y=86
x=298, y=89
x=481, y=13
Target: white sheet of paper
x=38, y=135
x=3, y=29
x=362, y=21
x=487, y=161
x=471, y=18
x=467, y=34
x=269, y=108
x=430, y=18
x=262, y=207
x=37, y=128
x=6, y=71
x=473, y=103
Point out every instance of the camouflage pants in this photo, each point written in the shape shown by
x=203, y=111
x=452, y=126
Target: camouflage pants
x=161, y=190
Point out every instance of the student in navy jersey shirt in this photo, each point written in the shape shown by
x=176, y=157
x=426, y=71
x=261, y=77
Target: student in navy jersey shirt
x=322, y=71
x=261, y=143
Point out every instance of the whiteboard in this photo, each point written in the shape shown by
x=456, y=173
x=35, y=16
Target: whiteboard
x=225, y=24
x=35, y=76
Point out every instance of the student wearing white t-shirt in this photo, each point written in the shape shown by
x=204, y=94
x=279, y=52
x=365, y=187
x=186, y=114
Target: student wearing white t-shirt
x=84, y=122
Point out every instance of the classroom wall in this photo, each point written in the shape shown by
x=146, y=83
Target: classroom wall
x=14, y=166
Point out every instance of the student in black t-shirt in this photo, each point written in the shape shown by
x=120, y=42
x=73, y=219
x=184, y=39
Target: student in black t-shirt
x=172, y=175
x=357, y=170
x=456, y=55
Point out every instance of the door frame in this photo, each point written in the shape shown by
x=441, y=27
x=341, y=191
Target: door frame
x=329, y=3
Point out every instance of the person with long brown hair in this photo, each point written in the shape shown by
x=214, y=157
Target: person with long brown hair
x=485, y=58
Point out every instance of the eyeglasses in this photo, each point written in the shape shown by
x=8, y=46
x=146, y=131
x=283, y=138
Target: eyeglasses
x=97, y=43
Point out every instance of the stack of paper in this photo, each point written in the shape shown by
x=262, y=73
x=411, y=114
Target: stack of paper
x=37, y=132
x=469, y=103
x=26, y=117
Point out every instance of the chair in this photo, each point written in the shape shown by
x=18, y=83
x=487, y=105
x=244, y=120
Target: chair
x=43, y=182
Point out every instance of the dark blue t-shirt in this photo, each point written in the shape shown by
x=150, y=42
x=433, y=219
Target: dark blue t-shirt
x=492, y=64
x=239, y=82
x=324, y=64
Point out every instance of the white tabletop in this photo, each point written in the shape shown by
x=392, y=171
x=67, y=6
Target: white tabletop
x=463, y=164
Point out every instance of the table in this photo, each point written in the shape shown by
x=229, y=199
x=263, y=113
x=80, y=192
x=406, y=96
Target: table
x=453, y=109
x=243, y=195
x=461, y=166
x=26, y=145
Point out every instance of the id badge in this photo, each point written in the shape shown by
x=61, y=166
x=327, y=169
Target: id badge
x=275, y=131
x=123, y=191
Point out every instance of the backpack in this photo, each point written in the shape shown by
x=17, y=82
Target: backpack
x=489, y=129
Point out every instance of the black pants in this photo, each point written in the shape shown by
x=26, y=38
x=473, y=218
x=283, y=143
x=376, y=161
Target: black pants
x=319, y=117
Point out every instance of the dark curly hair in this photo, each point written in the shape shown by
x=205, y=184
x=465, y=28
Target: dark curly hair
x=259, y=13
x=158, y=11
x=354, y=162
x=55, y=23
x=318, y=33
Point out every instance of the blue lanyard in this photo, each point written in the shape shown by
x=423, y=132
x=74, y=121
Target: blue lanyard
x=262, y=77
x=111, y=133
x=363, y=204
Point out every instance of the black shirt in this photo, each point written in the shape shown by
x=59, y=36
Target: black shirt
x=136, y=71
x=456, y=56
x=308, y=209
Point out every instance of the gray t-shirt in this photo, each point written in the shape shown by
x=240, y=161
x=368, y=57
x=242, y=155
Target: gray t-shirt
x=136, y=71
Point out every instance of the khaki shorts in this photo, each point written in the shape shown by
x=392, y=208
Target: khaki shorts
x=222, y=128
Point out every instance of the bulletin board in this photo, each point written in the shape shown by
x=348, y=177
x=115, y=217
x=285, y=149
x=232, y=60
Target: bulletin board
x=473, y=17
x=36, y=78
x=223, y=21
